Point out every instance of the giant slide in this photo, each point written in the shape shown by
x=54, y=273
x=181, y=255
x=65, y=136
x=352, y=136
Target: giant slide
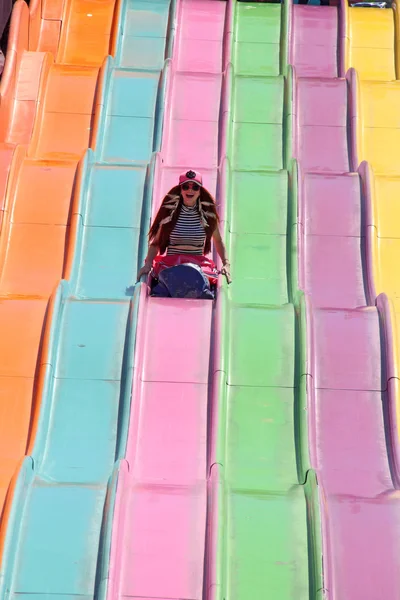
x=159, y=448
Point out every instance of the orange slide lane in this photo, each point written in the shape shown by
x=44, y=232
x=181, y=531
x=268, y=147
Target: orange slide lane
x=33, y=234
x=25, y=70
x=34, y=41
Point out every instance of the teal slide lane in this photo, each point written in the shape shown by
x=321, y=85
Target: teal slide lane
x=268, y=524
x=58, y=539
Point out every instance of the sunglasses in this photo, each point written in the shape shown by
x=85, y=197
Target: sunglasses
x=186, y=186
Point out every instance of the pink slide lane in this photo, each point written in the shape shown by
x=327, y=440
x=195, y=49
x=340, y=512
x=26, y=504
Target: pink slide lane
x=161, y=512
x=348, y=336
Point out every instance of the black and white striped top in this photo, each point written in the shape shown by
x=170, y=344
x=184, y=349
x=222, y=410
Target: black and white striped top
x=188, y=235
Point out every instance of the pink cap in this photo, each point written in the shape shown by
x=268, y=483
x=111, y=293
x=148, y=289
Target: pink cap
x=191, y=176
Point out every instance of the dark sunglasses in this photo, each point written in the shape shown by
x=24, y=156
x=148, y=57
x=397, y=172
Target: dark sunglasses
x=186, y=186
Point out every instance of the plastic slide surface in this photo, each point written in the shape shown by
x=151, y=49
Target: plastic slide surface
x=370, y=47
x=159, y=531
x=24, y=74
x=237, y=404
x=58, y=538
x=46, y=31
x=269, y=518
x=349, y=355
x=378, y=138
x=377, y=141
x=34, y=226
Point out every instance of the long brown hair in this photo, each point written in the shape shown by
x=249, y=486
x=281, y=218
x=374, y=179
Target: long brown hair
x=169, y=212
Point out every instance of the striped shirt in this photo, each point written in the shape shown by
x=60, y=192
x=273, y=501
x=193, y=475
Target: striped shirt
x=188, y=235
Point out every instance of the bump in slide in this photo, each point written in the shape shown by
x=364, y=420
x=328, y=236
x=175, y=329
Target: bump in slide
x=159, y=448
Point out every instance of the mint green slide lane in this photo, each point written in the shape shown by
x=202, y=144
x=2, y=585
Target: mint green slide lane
x=59, y=531
x=269, y=543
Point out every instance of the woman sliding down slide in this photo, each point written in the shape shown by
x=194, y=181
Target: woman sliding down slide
x=179, y=239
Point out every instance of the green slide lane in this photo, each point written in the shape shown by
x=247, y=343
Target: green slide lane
x=269, y=543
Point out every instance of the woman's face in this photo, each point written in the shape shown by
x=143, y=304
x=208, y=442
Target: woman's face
x=190, y=193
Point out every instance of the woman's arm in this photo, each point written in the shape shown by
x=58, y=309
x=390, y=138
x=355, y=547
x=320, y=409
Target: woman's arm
x=219, y=245
x=148, y=263
x=220, y=248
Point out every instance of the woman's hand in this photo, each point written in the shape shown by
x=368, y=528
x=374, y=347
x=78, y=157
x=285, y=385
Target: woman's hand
x=148, y=263
x=220, y=248
x=145, y=270
x=226, y=270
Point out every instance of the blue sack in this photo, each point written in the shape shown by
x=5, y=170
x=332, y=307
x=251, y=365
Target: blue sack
x=183, y=281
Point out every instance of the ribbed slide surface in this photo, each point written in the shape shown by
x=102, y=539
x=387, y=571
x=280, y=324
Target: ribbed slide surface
x=269, y=532
x=173, y=448
x=348, y=392
x=44, y=33
x=58, y=537
x=36, y=211
x=159, y=535
x=378, y=137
